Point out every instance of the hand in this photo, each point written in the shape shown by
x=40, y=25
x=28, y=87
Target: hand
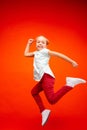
x=74, y=64
x=30, y=41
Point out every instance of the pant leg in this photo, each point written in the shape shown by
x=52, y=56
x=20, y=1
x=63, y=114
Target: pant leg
x=35, y=93
x=48, y=87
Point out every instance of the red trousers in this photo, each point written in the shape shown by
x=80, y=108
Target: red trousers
x=46, y=84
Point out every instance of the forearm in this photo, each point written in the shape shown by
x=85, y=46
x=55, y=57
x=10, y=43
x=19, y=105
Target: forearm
x=63, y=57
x=74, y=63
x=66, y=58
x=27, y=49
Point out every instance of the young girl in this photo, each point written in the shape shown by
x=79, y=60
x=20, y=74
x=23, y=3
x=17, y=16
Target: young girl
x=45, y=76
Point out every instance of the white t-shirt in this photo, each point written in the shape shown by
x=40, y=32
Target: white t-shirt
x=41, y=64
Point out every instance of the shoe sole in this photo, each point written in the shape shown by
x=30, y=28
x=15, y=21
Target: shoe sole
x=46, y=119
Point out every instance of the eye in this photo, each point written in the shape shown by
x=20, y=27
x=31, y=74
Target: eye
x=43, y=42
x=38, y=41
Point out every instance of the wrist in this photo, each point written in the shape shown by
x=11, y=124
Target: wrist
x=28, y=44
x=72, y=61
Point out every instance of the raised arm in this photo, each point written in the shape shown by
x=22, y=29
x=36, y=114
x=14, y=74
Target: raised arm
x=53, y=53
x=27, y=49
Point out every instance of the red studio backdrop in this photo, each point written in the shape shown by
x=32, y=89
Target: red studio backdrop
x=64, y=23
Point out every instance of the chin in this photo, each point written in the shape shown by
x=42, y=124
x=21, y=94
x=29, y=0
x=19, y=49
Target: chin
x=39, y=49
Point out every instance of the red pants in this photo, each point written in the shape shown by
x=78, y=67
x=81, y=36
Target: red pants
x=46, y=84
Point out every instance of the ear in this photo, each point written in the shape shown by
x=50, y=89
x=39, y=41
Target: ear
x=47, y=42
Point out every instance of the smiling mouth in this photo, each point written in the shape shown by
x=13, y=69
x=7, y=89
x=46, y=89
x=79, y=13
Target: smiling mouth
x=39, y=46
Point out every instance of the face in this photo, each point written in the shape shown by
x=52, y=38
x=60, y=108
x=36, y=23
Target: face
x=41, y=43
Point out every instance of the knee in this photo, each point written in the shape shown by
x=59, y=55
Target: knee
x=51, y=101
x=33, y=92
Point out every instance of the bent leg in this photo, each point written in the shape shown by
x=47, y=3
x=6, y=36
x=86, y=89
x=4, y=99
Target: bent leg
x=48, y=87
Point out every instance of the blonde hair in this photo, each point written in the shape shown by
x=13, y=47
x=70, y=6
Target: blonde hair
x=47, y=41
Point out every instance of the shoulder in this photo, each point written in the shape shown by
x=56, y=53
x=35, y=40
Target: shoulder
x=34, y=52
x=53, y=53
x=45, y=51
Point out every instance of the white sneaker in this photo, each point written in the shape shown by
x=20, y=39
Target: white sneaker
x=45, y=115
x=74, y=81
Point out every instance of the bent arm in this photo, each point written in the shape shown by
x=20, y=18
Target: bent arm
x=27, y=51
x=53, y=53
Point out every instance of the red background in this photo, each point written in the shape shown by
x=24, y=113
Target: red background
x=65, y=25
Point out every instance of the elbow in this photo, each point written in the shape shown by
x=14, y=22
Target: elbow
x=25, y=54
